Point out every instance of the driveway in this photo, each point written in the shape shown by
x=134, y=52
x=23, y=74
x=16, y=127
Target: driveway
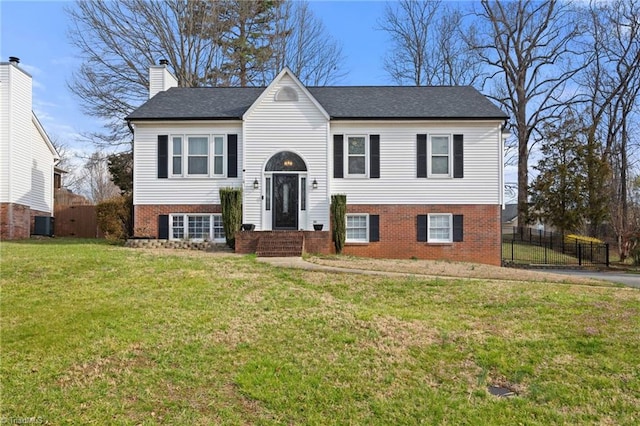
x=631, y=280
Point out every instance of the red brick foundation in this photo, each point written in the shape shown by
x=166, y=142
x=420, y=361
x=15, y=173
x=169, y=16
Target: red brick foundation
x=398, y=234
x=145, y=216
x=15, y=221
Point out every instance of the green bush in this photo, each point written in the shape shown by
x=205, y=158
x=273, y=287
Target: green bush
x=231, y=202
x=339, y=220
x=114, y=217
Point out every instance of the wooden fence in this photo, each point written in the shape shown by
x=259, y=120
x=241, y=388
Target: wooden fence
x=75, y=216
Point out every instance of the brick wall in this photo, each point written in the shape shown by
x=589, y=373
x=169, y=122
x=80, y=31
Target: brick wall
x=15, y=221
x=317, y=242
x=398, y=234
x=145, y=217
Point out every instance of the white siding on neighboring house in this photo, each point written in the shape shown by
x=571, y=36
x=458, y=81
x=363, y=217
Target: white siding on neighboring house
x=149, y=189
x=4, y=133
x=398, y=183
x=41, y=171
x=16, y=136
x=272, y=126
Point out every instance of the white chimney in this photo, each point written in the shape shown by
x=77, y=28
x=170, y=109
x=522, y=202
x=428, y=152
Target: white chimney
x=160, y=79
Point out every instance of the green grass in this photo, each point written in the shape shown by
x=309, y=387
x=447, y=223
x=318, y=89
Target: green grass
x=98, y=334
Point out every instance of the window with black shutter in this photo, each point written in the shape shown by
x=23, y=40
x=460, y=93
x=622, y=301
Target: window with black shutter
x=163, y=156
x=338, y=156
x=232, y=155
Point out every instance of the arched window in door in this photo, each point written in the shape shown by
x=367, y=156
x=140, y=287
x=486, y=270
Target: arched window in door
x=285, y=161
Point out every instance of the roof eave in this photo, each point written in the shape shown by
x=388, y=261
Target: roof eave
x=334, y=118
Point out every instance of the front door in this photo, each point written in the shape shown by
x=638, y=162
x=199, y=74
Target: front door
x=285, y=201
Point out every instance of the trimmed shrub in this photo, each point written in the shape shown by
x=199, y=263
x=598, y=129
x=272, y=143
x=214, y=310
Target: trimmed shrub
x=231, y=202
x=114, y=217
x=339, y=220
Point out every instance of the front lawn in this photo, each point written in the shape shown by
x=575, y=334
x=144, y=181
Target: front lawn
x=98, y=334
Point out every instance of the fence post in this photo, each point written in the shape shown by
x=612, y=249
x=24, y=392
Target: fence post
x=579, y=250
x=512, y=241
x=606, y=248
x=591, y=258
x=545, y=255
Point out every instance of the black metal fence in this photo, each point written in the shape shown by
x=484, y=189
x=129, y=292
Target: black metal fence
x=537, y=247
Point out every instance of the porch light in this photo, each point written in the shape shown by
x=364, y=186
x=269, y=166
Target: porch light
x=314, y=184
x=255, y=184
x=288, y=163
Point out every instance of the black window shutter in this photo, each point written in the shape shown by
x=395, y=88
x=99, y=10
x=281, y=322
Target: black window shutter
x=458, y=156
x=232, y=155
x=374, y=227
x=422, y=227
x=457, y=227
x=163, y=156
x=374, y=156
x=163, y=227
x=422, y=156
x=338, y=156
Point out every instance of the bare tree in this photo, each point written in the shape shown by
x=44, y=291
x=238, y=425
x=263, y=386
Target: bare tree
x=612, y=83
x=528, y=45
x=304, y=46
x=427, y=44
x=119, y=40
x=96, y=180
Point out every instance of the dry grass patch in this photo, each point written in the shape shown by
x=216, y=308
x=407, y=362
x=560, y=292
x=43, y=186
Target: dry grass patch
x=446, y=269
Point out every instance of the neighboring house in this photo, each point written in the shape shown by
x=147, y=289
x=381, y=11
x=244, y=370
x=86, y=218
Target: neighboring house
x=421, y=166
x=27, y=157
x=509, y=218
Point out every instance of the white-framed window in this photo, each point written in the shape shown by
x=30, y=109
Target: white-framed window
x=357, y=228
x=176, y=155
x=356, y=154
x=196, y=226
x=218, y=228
x=440, y=228
x=197, y=155
x=439, y=156
x=177, y=227
x=218, y=155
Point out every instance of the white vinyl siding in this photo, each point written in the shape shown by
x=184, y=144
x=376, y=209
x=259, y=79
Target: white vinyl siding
x=41, y=174
x=297, y=126
x=148, y=189
x=357, y=228
x=18, y=136
x=26, y=158
x=398, y=183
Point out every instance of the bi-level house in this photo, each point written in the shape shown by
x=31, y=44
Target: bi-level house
x=27, y=159
x=421, y=167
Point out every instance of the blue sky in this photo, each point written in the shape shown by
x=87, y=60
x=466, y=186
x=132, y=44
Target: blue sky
x=36, y=32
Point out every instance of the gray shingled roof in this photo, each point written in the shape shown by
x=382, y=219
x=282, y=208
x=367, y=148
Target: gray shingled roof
x=349, y=102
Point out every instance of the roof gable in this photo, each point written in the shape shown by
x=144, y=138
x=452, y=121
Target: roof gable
x=44, y=135
x=285, y=72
